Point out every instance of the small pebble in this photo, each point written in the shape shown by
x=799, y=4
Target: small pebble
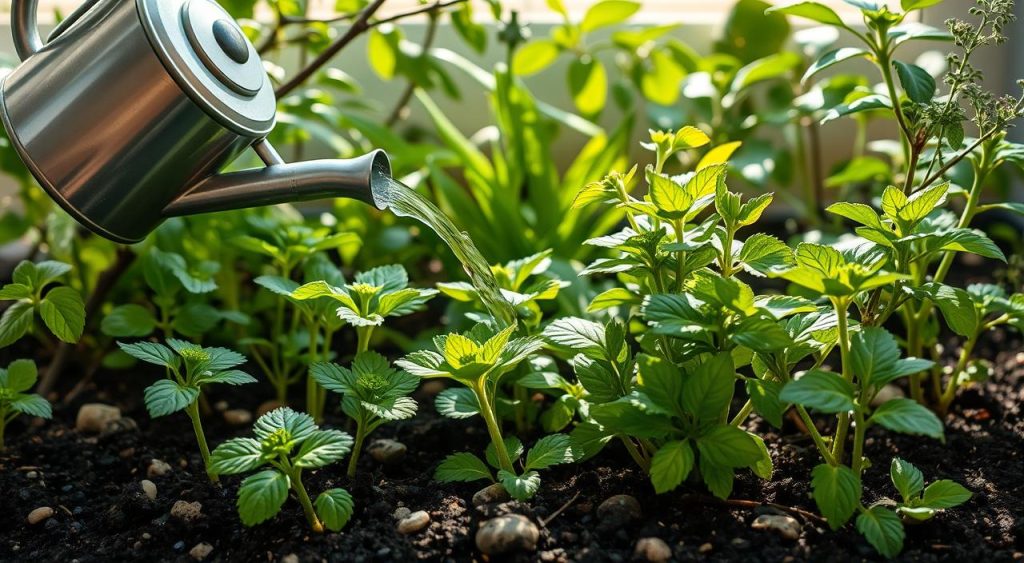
x=120, y=426
x=490, y=494
x=414, y=522
x=158, y=468
x=786, y=526
x=40, y=514
x=32, y=475
x=147, y=536
x=178, y=546
x=740, y=543
x=619, y=510
x=94, y=417
x=149, y=488
x=238, y=417
x=290, y=558
x=705, y=548
x=506, y=534
x=200, y=551
x=401, y=513
x=220, y=406
x=387, y=452
x=652, y=549
x=186, y=511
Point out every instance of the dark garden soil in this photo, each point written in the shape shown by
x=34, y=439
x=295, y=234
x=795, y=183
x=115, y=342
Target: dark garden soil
x=102, y=514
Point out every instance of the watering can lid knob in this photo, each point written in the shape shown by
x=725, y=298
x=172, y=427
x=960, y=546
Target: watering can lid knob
x=209, y=56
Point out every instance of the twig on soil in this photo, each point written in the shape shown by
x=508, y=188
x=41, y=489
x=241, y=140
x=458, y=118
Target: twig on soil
x=545, y=521
x=753, y=504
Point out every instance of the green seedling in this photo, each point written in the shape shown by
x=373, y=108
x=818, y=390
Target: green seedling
x=181, y=390
x=18, y=378
x=479, y=359
x=373, y=394
x=286, y=443
x=60, y=308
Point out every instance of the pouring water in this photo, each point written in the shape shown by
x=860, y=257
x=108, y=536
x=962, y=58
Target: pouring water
x=406, y=202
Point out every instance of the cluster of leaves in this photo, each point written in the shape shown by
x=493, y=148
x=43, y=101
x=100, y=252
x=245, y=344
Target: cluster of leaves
x=34, y=296
x=479, y=359
x=286, y=443
x=15, y=380
x=190, y=367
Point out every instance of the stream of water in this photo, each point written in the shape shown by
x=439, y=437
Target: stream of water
x=406, y=202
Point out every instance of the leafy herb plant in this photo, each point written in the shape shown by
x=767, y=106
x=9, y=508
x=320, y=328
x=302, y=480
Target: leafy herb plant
x=373, y=393
x=15, y=380
x=286, y=444
x=479, y=359
x=181, y=389
x=60, y=308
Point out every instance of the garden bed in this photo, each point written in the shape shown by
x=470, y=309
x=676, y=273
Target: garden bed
x=101, y=512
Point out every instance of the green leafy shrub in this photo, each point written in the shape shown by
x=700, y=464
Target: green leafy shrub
x=288, y=442
x=181, y=390
x=15, y=380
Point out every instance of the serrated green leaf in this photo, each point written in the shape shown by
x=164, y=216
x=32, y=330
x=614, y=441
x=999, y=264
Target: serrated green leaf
x=909, y=417
x=520, y=487
x=335, y=508
x=671, y=465
x=261, y=496
x=16, y=322
x=549, y=450
x=238, y=455
x=883, y=530
x=31, y=405
x=151, y=352
x=166, y=396
x=464, y=467
x=63, y=312
x=916, y=82
x=21, y=376
x=907, y=479
x=728, y=446
x=820, y=390
x=837, y=493
x=945, y=494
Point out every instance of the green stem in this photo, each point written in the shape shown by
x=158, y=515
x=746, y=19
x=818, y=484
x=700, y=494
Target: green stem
x=843, y=427
x=312, y=388
x=819, y=442
x=357, y=448
x=950, y=393
x=741, y=416
x=680, y=228
x=307, y=505
x=363, y=334
x=859, y=430
x=204, y=450
x=493, y=427
x=634, y=453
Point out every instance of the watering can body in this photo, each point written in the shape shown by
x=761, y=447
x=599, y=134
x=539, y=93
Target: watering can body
x=130, y=111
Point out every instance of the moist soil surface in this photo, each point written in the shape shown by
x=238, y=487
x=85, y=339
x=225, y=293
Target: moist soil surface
x=101, y=513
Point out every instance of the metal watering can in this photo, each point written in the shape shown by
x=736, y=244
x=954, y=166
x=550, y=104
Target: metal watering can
x=131, y=109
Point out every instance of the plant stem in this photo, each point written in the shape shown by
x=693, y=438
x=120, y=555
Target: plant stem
x=819, y=442
x=741, y=416
x=950, y=393
x=493, y=427
x=635, y=453
x=357, y=448
x=858, y=443
x=307, y=505
x=363, y=334
x=204, y=450
x=843, y=427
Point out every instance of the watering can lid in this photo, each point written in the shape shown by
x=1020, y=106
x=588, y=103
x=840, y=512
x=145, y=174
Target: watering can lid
x=213, y=61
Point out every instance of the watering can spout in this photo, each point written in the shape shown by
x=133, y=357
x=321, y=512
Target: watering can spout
x=357, y=178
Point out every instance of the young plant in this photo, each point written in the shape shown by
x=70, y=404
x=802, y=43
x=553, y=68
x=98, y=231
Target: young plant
x=373, y=393
x=181, y=389
x=882, y=523
x=288, y=442
x=61, y=308
x=479, y=359
x=375, y=295
x=18, y=378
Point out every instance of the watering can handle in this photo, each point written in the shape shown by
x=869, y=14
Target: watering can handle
x=26, y=31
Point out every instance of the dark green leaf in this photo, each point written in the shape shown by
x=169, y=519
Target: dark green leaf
x=837, y=493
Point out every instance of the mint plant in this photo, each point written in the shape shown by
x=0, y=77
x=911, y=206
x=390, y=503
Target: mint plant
x=919, y=237
x=60, y=307
x=19, y=377
x=181, y=390
x=286, y=444
x=479, y=359
x=373, y=393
